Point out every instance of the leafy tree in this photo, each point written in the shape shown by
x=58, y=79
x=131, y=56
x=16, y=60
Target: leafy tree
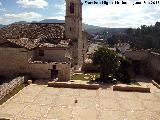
x=107, y=60
x=121, y=74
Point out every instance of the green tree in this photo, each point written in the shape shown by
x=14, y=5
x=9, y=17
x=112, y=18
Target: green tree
x=121, y=74
x=107, y=60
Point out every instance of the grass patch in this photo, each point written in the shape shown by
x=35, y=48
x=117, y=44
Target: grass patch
x=12, y=93
x=85, y=76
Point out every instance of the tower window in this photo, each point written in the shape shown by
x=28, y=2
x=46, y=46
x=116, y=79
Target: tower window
x=71, y=7
x=70, y=28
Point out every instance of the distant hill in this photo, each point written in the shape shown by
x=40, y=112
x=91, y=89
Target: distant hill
x=51, y=21
x=1, y=26
x=21, y=22
x=89, y=28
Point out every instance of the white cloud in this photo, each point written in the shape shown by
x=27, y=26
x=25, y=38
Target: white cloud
x=3, y=9
x=21, y=16
x=119, y=15
x=0, y=3
x=57, y=17
x=61, y=8
x=32, y=3
x=26, y=16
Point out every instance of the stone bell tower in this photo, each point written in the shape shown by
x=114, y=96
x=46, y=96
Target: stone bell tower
x=73, y=28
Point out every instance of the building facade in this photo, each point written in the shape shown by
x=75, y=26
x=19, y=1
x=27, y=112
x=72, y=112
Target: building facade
x=36, y=48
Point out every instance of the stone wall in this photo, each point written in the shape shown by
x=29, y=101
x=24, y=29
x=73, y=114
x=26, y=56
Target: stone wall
x=6, y=88
x=14, y=61
x=154, y=65
x=150, y=62
x=137, y=55
x=57, y=55
x=43, y=71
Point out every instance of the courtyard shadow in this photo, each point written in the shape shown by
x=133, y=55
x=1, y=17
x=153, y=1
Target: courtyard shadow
x=142, y=79
x=41, y=81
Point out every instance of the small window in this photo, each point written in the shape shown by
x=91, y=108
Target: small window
x=41, y=52
x=54, y=67
x=71, y=7
x=70, y=28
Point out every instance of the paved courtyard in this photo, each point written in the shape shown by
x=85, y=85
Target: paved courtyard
x=39, y=102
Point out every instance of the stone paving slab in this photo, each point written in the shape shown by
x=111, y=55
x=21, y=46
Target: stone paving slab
x=109, y=103
x=44, y=99
x=125, y=95
x=87, y=103
x=131, y=105
x=34, y=111
x=148, y=96
x=85, y=114
x=39, y=102
x=60, y=113
x=118, y=115
x=138, y=115
x=11, y=109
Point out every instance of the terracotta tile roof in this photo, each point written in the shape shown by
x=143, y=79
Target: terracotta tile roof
x=35, y=35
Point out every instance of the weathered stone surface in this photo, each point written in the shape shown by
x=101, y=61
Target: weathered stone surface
x=39, y=102
x=147, y=96
x=45, y=99
x=85, y=114
x=11, y=108
x=152, y=105
x=131, y=105
x=65, y=101
x=34, y=111
x=60, y=113
x=109, y=103
x=87, y=102
x=137, y=115
x=108, y=114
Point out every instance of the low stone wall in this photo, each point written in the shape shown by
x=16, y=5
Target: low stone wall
x=6, y=88
x=73, y=85
x=131, y=88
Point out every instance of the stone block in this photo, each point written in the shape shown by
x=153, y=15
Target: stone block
x=73, y=85
x=131, y=88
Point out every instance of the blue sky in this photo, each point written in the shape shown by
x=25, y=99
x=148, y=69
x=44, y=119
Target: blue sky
x=111, y=15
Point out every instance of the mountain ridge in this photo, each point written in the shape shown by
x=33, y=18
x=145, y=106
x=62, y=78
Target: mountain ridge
x=92, y=29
